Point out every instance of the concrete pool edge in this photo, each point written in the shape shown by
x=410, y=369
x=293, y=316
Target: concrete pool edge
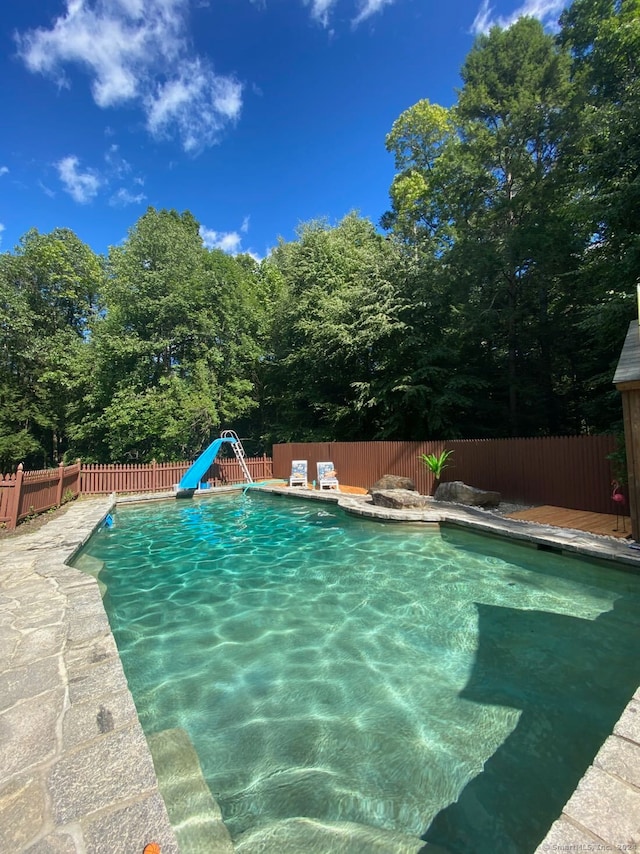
x=74, y=761
x=76, y=774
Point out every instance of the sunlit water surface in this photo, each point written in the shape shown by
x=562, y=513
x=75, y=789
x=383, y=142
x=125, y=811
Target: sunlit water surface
x=442, y=684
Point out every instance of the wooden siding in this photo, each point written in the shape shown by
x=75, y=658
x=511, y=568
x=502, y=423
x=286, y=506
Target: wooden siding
x=627, y=381
x=631, y=414
x=566, y=471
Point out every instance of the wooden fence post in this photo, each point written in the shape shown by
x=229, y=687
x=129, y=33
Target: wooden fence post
x=79, y=481
x=60, y=482
x=17, y=494
x=154, y=475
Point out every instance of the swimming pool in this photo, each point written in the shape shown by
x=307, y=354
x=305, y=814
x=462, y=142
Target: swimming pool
x=435, y=683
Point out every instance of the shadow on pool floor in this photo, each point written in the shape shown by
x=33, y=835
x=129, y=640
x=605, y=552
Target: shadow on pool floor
x=509, y=807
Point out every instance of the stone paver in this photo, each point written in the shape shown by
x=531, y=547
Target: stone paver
x=128, y=830
x=76, y=774
x=607, y=807
x=23, y=806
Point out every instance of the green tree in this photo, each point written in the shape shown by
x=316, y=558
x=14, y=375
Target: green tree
x=17, y=442
x=603, y=157
x=518, y=239
x=49, y=295
x=480, y=200
x=172, y=349
x=334, y=330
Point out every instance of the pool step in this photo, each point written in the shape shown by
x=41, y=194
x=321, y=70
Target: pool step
x=194, y=814
x=296, y=835
x=91, y=566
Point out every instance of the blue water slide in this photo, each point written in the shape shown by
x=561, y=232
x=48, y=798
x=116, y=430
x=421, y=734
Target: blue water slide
x=197, y=470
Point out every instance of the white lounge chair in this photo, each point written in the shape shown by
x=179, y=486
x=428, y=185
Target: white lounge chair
x=298, y=475
x=327, y=478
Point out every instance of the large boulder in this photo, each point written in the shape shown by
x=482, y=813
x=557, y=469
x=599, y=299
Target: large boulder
x=392, y=481
x=461, y=493
x=398, y=499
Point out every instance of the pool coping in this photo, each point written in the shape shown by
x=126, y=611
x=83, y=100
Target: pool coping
x=76, y=773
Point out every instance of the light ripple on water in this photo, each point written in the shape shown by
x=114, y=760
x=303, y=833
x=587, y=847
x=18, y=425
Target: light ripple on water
x=438, y=684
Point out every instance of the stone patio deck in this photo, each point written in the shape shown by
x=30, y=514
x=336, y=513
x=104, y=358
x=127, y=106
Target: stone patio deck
x=76, y=774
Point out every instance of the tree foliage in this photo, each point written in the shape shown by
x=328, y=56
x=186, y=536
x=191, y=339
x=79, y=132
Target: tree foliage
x=335, y=327
x=173, y=348
x=48, y=297
x=492, y=198
x=493, y=302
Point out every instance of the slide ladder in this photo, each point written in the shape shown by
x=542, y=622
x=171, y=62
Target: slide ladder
x=238, y=450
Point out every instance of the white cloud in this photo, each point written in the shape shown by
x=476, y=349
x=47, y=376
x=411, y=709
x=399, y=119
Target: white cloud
x=117, y=165
x=126, y=47
x=198, y=102
x=122, y=198
x=321, y=9
x=369, y=8
x=81, y=186
x=228, y=241
x=3, y=170
x=2, y=227
x=84, y=184
x=482, y=22
x=46, y=190
x=547, y=12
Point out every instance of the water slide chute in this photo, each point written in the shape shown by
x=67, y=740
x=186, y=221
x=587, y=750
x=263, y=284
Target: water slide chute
x=192, y=477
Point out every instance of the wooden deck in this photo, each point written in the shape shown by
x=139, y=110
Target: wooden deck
x=580, y=520
x=605, y=524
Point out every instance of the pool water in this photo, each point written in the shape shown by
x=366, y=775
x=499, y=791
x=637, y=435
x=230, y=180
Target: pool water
x=440, y=684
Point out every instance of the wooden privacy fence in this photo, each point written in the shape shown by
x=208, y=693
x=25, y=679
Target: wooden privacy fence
x=566, y=471
x=570, y=471
x=28, y=493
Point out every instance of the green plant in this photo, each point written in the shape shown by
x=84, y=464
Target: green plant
x=436, y=463
x=67, y=496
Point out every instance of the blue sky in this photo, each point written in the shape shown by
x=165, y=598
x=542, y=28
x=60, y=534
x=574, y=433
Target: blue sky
x=255, y=115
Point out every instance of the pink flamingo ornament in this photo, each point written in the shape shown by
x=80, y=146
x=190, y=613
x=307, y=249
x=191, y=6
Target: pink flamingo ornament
x=620, y=501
